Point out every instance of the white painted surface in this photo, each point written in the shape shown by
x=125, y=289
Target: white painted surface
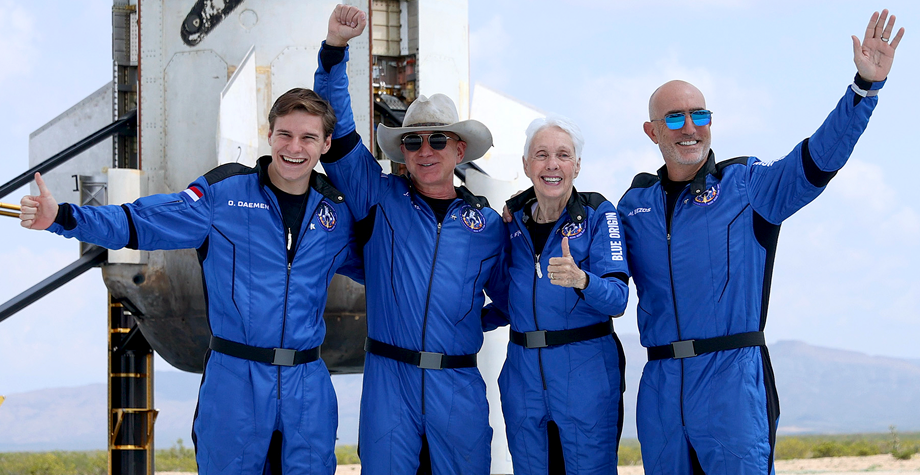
x=124, y=186
x=238, y=130
x=87, y=116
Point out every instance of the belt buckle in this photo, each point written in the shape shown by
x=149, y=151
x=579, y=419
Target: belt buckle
x=283, y=357
x=429, y=360
x=683, y=349
x=535, y=339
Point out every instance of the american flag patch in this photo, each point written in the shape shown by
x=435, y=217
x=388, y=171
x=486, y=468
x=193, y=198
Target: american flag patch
x=194, y=193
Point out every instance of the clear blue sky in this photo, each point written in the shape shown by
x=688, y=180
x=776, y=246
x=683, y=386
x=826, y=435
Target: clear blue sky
x=771, y=71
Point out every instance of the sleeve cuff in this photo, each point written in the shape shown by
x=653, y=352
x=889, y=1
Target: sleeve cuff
x=65, y=217
x=587, y=283
x=866, y=88
x=330, y=56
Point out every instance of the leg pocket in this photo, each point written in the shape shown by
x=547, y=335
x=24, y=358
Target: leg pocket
x=589, y=388
x=381, y=401
x=468, y=429
x=737, y=403
x=513, y=397
x=226, y=421
x=319, y=415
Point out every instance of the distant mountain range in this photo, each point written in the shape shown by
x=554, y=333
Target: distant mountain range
x=821, y=390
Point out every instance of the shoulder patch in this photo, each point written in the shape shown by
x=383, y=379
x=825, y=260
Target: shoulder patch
x=731, y=161
x=591, y=199
x=323, y=185
x=476, y=201
x=227, y=170
x=644, y=180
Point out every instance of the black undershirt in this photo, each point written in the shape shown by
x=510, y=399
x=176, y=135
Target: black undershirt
x=672, y=191
x=293, y=208
x=539, y=232
x=439, y=206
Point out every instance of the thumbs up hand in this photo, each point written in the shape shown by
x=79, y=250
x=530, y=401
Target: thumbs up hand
x=563, y=271
x=38, y=212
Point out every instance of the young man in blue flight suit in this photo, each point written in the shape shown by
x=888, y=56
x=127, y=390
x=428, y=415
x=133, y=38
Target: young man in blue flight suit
x=429, y=251
x=701, y=237
x=269, y=238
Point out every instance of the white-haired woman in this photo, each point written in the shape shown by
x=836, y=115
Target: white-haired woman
x=562, y=383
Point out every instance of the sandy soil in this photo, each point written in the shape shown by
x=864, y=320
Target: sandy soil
x=875, y=464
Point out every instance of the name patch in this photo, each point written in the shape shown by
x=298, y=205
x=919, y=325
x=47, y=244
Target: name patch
x=639, y=210
x=247, y=204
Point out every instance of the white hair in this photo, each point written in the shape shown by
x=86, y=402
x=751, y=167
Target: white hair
x=553, y=120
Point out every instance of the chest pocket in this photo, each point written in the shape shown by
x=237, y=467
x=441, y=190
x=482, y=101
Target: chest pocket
x=726, y=222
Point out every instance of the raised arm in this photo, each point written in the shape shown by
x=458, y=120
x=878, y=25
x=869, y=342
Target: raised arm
x=780, y=188
x=347, y=22
x=351, y=166
x=874, y=56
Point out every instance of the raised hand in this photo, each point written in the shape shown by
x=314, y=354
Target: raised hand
x=38, y=212
x=873, y=57
x=345, y=23
x=563, y=271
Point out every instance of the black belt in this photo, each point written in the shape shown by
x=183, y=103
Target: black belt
x=544, y=338
x=688, y=348
x=422, y=359
x=274, y=356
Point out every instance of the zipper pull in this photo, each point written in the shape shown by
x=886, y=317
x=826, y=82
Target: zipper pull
x=536, y=263
x=290, y=239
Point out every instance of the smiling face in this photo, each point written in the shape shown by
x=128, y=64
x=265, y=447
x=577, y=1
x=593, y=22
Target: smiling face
x=297, y=140
x=552, y=165
x=432, y=171
x=684, y=150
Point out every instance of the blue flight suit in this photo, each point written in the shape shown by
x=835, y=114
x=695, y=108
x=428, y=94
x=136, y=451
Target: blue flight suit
x=254, y=297
x=424, y=284
x=577, y=385
x=708, y=276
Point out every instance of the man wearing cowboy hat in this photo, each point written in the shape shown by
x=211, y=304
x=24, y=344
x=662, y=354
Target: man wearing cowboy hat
x=429, y=249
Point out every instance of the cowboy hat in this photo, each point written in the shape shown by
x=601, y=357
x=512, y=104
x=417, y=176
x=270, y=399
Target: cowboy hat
x=435, y=114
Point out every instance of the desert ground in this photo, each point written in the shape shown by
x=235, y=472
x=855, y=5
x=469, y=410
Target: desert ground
x=876, y=464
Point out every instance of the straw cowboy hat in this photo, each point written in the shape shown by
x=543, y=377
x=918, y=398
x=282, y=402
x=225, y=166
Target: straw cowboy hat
x=435, y=114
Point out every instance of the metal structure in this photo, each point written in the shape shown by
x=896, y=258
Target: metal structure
x=192, y=85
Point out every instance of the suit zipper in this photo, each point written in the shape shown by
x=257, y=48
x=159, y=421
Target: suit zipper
x=437, y=244
x=674, y=303
x=533, y=294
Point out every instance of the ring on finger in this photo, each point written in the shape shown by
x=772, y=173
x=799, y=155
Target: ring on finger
x=884, y=39
x=551, y=276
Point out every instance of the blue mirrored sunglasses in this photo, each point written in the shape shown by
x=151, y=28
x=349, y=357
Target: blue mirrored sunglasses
x=676, y=120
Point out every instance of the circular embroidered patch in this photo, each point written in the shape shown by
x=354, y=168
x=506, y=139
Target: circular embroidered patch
x=708, y=197
x=572, y=229
x=472, y=219
x=326, y=215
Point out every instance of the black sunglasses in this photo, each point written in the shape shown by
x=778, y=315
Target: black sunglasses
x=436, y=140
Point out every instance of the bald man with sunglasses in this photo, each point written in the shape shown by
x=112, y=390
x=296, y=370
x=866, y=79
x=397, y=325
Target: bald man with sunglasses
x=701, y=238
x=429, y=251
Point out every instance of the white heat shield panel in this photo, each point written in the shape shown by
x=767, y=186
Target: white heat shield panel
x=238, y=126
x=124, y=186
